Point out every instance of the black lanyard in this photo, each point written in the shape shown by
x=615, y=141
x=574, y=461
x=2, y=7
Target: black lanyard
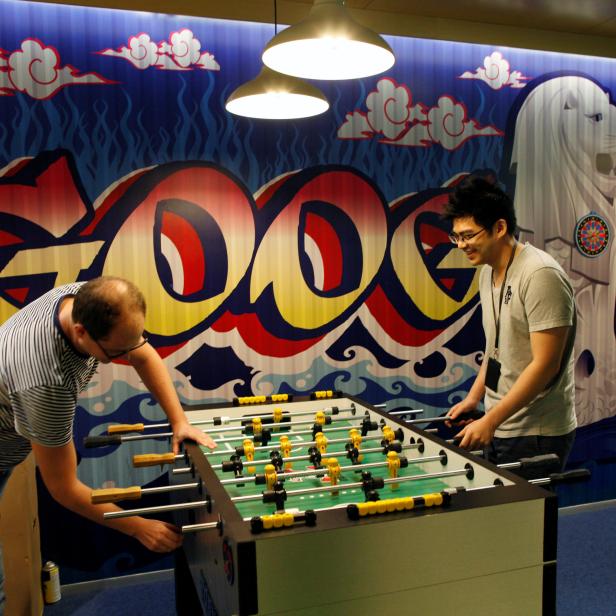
x=500, y=301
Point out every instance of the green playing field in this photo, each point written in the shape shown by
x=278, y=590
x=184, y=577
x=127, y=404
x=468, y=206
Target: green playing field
x=349, y=474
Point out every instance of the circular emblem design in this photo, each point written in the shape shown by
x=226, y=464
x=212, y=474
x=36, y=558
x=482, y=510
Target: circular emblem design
x=592, y=235
x=227, y=557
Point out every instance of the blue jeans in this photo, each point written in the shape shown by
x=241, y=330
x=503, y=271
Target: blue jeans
x=4, y=475
x=503, y=450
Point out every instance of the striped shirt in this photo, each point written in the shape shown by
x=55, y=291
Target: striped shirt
x=41, y=375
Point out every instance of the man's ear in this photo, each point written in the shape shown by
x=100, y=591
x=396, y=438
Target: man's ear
x=79, y=329
x=500, y=227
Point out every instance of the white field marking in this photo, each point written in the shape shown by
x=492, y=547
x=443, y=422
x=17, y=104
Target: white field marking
x=339, y=506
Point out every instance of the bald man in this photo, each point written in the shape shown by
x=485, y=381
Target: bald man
x=49, y=351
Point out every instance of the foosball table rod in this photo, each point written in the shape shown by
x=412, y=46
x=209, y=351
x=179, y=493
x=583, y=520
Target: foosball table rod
x=277, y=495
x=395, y=505
x=113, y=495
x=197, y=528
x=249, y=429
x=141, y=427
x=402, y=462
x=365, y=425
x=330, y=410
x=468, y=471
x=393, y=446
x=553, y=478
x=462, y=417
x=544, y=461
x=258, y=524
x=127, y=513
x=225, y=420
x=271, y=476
x=402, y=414
x=143, y=460
x=300, y=443
x=355, y=511
x=117, y=439
x=419, y=445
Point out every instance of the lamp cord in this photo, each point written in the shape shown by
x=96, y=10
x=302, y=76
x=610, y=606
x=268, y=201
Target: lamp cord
x=275, y=18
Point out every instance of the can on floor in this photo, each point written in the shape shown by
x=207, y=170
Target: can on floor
x=51, y=582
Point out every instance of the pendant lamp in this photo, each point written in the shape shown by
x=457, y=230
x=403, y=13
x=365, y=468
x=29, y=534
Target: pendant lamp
x=328, y=44
x=273, y=96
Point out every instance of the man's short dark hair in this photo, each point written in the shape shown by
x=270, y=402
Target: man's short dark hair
x=100, y=303
x=483, y=201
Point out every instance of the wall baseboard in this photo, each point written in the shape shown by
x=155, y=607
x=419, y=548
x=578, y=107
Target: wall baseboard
x=163, y=575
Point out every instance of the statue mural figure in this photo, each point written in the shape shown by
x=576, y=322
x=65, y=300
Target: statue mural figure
x=563, y=158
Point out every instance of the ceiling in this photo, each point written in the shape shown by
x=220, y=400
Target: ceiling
x=576, y=26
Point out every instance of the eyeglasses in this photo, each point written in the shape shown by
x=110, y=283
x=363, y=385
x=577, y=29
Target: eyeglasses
x=108, y=355
x=465, y=238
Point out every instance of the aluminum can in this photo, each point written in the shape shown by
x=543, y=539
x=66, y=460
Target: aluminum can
x=51, y=582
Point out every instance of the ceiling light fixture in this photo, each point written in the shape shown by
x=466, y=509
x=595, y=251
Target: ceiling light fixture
x=272, y=96
x=328, y=44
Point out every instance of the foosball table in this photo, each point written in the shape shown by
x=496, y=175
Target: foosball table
x=324, y=504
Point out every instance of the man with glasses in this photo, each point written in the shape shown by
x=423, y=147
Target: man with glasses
x=526, y=377
x=49, y=351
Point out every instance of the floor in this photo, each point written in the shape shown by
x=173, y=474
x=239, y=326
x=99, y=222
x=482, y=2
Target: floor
x=586, y=582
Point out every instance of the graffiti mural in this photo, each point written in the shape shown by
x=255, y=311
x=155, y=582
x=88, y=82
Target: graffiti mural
x=296, y=255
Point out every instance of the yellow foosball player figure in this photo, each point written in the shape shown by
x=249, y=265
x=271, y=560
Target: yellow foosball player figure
x=320, y=418
x=333, y=471
x=277, y=415
x=321, y=443
x=356, y=438
x=249, y=452
x=393, y=466
x=285, y=449
x=257, y=426
x=271, y=477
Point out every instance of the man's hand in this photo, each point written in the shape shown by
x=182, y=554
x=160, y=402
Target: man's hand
x=158, y=536
x=477, y=434
x=466, y=406
x=187, y=431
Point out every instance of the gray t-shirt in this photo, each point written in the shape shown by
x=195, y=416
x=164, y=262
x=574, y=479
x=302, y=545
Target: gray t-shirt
x=537, y=296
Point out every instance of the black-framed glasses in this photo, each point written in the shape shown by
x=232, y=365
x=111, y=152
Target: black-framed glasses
x=108, y=355
x=454, y=238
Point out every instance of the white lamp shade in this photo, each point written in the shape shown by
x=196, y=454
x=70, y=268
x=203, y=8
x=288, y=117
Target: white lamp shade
x=272, y=96
x=328, y=44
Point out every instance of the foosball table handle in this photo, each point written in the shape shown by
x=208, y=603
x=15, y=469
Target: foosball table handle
x=113, y=495
x=123, y=428
x=102, y=441
x=546, y=460
x=578, y=474
x=153, y=459
x=474, y=415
